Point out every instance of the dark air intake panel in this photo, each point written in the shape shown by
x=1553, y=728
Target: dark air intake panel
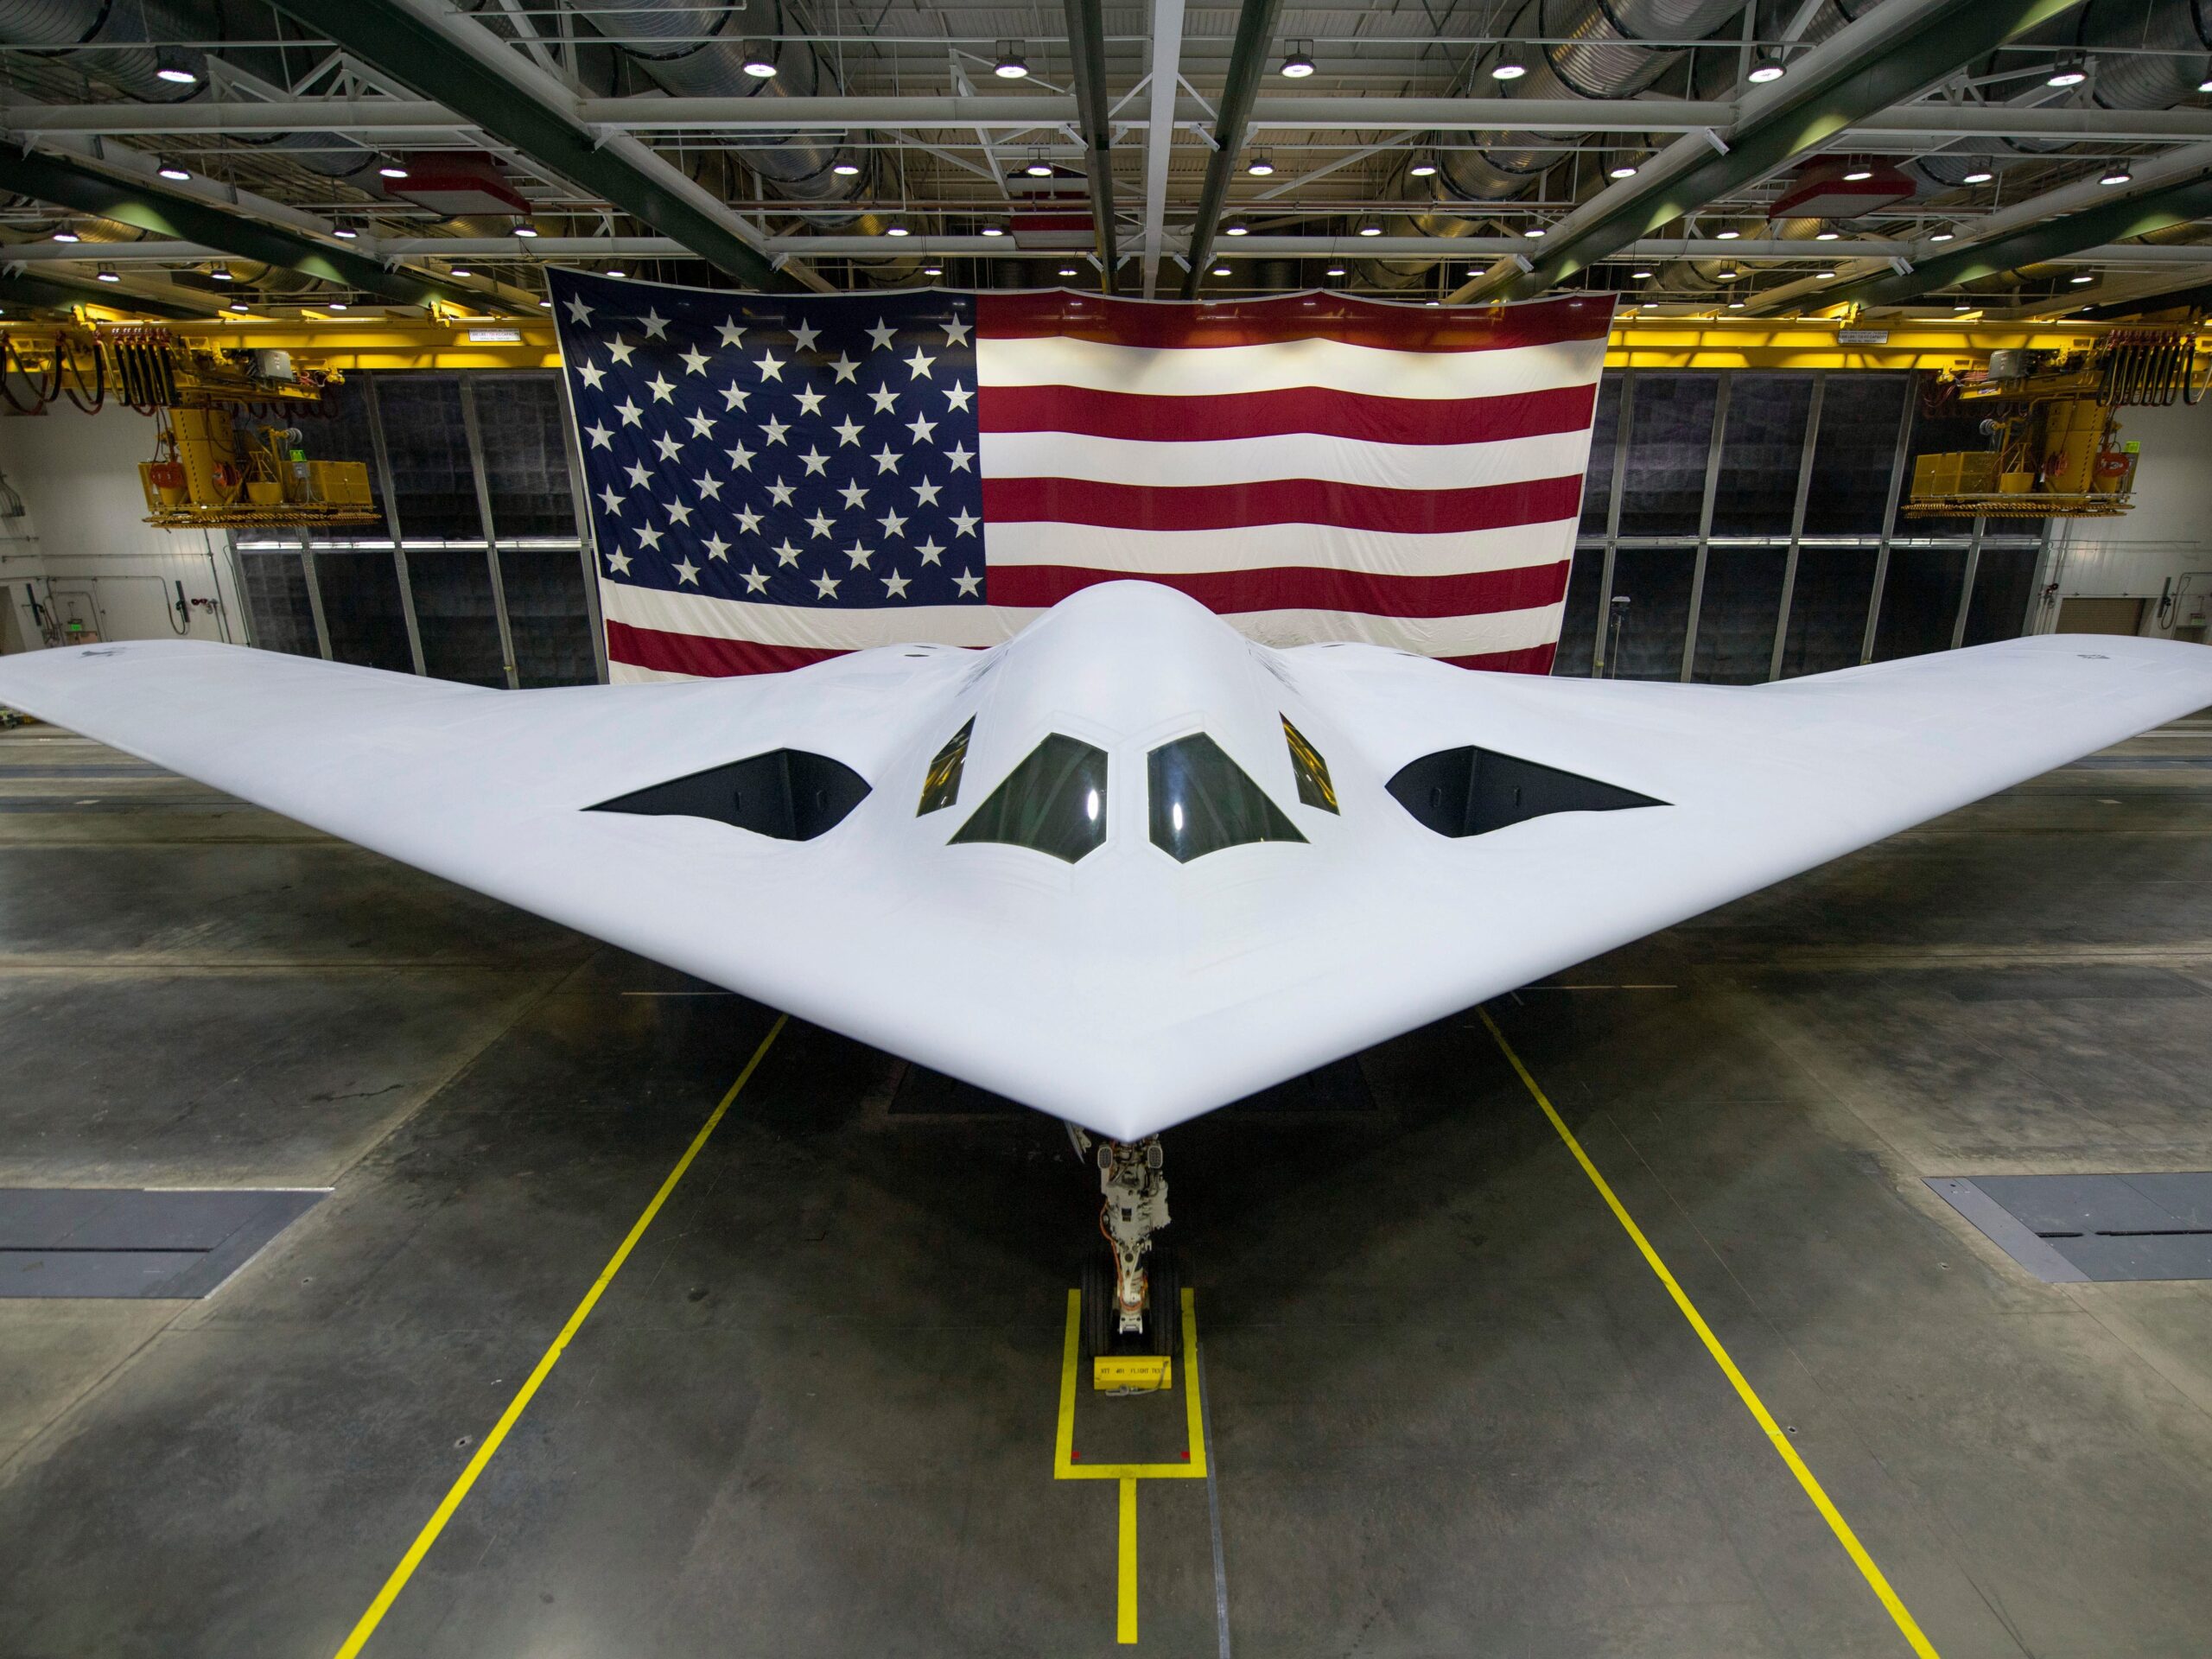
x=1471, y=792
x=788, y=793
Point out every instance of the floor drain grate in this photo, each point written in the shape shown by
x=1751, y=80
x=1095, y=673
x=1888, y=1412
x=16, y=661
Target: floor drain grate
x=107, y=1242
x=2082, y=1229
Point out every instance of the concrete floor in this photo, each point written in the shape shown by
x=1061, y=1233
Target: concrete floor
x=1452, y=1410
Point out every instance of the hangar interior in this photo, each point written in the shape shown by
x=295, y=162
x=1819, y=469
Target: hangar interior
x=391, y=1271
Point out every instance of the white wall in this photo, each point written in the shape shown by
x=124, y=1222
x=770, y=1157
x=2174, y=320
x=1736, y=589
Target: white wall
x=85, y=541
x=2165, y=537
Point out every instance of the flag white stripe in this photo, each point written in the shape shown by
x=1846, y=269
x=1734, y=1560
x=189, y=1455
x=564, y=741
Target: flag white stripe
x=1329, y=366
x=1293, y=454
x=1321, y=546
x=706, y=617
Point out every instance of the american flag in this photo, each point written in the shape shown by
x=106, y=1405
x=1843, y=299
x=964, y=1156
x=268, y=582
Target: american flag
x=778, y=478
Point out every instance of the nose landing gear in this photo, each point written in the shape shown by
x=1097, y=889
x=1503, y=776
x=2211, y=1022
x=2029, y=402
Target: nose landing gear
x=1134, y=1307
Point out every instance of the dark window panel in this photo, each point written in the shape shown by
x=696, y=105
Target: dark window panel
x=548, y=616
x=1828, y=609
x=277, y=601
x=1579, y=629
x=1759, y=451
x=341, y=432
x=525, y=461
x=1670, y=438
x=1736, y=615
x=360, y=607
x=2002, y=584
x=1853, y=455
x=428, y=445
x=1920, y=600
x=1656, y=581
x=1598, y=485
x=454, y=614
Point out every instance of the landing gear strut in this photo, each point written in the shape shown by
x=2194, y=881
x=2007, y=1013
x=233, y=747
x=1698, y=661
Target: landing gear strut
x=1134, y=1207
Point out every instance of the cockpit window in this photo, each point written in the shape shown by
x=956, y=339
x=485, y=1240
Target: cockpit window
x=941, y=788
x=1201, y=801
x=1314, y=788
x=1054, y=801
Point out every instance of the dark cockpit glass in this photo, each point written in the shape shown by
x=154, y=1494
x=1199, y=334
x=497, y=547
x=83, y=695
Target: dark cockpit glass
x=941, y=788
x=1201, y=801
x=1054, y=802
x=1314, y=788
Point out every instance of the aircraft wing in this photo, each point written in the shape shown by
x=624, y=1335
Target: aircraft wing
x=1124, y=989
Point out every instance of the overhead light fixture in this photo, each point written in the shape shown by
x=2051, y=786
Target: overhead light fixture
x=1979, y=175
x=616, y=270
x=1735, y=305
x=1235, y=228
x=2205, y=85
x=1824, y=275
x=932, y=271
x=1038, y=168
x=1534, y=232
x=240, y=305
x=220, y=274
x=171, y=170
x=1942, y=236
x=1768, y=67
x=344, y=233
x=1962, y=305
x=459, y=270
x=2086, y=276
x=1424, y=167
x=1509, y=66
x=1860, y=174
x=1729, y=276
x=1260, y=167
x=333, y=305
x=1639, y=276
x=525, y=230
x=1827, y=236
x=1221, y=271
x=1068, y=270
x=2071, y=70
x=1012, y=65
x=107, y=274
x=1370, y=228
x=991, y=230
x=1334, y=271
x=65, y=234
x=895, y=228
x=390, y=169
x=845, y=168
x=1621, y=171
x=170, y=65
x=759, y=63
x=1727, y=235
x=2117, y=174
x=1298, y=62
x=545, y=305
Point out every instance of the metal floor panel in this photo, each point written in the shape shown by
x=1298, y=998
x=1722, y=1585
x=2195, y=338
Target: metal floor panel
x=2100, y=1228
x=106, y=1241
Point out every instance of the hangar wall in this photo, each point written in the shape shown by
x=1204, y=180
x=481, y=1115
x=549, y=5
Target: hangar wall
x=2165, y=541
x=82, y=540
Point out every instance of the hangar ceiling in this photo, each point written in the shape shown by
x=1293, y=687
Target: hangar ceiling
x=2006, y=158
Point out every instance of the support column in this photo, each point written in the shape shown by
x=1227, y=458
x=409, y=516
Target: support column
x=1797, y=522
x=470, y=425
x=391, y=519
x=1890, y=516
x=1714, y=445
x=1621, y=422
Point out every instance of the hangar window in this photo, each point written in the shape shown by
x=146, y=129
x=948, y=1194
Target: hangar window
x=1314, y=788
x=941, y=787
x=1054, y=802
x=1201, y=801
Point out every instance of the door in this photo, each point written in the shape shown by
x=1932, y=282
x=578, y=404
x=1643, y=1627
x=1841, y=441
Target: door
x=2079, y=615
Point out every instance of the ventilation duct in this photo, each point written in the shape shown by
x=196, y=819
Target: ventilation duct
x=705, y=57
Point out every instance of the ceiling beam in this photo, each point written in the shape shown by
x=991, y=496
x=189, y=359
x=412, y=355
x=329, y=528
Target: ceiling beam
x=1087, y=43
x=186, y=219
x=454, y=58
x=1247, y=61
x=2152, y=210
x=1889, y=53
x=1159, y=133
x=57, y=292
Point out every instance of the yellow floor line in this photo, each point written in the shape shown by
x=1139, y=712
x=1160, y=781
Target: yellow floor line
x=1880, y=1586
x=1125, y=1609
x=366, y=1626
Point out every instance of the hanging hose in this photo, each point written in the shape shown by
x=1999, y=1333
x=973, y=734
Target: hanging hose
x=99, y=388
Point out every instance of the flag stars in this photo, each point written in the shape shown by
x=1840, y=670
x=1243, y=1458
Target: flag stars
x=741, y=458
x=809, y=402
x=781, y=493
x=815, y=460
x=805, y=335
x=847, y=431
x=860, y=556
x=590, y=373
x=956, y=332
x=956, y=397
x=733, y=396
x=919, y=364
x=819, y=524
x=959, y=454
x=717, y=547
x=687, y=571
x=694, y=360
x=773, y=430
x=925, y=493
x=662, y=388
x=844, y=367
x=649, y=538
x=786, y=551
x=630, y=412
x=641, y=476
x=618, y=563
x=894, y=523
x=749, y=521
x=884, y=399
x=771, y=366
x=709, y=488
x=599, y=437
x=964, y=522
x=756, y=580
x=579, y=312
x=678, y=513
x=732, y=332
x=700, y=425
x=669, y=447
x=883, y=333
x=614, y=501
x=921, y=426
x=894, y=586
x=930, y=551
x=656, y=325
x=856, y=497
x=617, y=352
x=886, y=459
x=825, y=586
x=970, y=584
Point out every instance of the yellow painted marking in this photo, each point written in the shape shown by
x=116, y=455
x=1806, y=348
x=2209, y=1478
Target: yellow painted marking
x=1125, y=1606
x=1138, y=1373
x=1065, y=1467
x=1905, y=1622
x=367, y=1625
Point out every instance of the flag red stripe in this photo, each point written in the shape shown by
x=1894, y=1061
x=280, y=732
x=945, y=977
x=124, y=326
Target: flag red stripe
x=692, y=653
x=1302, y=587
x=1319, y=410
x=1279, y=501
x=1529, y=659
x=1271, y=321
